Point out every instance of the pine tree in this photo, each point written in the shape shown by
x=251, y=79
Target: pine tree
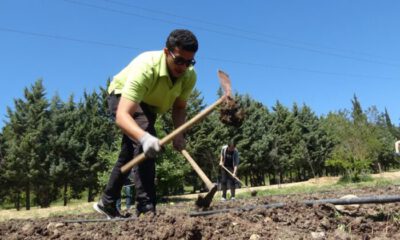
x=65, y=146
x=4, y=188
x=281, y=150
x=27, y=140
x=94, y=131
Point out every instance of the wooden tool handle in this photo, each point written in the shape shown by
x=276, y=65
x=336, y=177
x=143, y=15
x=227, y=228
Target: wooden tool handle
x=140, y=158
x=230, y=173
x=198, y=170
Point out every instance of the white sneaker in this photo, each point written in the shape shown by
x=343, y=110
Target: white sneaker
x=223, y=199
x=233, y=198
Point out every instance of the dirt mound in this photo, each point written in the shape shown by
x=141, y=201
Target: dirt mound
x=293, y=221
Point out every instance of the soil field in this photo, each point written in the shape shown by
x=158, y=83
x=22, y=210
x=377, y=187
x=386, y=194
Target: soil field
x=293, y=221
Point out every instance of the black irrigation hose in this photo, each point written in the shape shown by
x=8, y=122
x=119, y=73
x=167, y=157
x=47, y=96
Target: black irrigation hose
x=335, y=201
x=94, y=220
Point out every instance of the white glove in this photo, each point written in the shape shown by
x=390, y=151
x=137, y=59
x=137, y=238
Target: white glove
x=150, y=144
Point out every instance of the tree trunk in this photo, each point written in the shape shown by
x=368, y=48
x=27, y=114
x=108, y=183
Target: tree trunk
x=263, y=179
x=18, y=201
x=299, y=175
x=90, y=192
x=28, y=197
x=65, y=194
x=272, y=179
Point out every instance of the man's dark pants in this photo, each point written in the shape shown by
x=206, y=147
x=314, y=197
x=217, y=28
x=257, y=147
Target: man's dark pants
x=144, y=173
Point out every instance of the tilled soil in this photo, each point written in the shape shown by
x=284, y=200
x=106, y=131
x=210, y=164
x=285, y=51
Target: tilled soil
x=293, y=221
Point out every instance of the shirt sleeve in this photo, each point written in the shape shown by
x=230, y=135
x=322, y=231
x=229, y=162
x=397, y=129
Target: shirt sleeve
x=138, y=81
x=236, y=158
x=222, y=151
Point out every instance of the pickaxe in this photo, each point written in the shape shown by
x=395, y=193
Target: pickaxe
x=202, y=201
x=252, y=191
x=226, y=87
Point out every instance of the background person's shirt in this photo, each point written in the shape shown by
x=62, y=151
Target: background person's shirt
x=233, y=158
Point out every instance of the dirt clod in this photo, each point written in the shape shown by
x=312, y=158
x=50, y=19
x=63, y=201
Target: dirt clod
x=231, y=113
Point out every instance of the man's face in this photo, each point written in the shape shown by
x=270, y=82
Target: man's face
x=178, y=61
x=231, y=147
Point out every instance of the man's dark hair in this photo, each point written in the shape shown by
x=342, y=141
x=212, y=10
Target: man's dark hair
x=182, y=39
x=232, y=143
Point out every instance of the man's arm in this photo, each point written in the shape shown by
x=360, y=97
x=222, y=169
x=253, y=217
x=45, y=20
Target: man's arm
x=235, y=170
x=236, y=162
x=179, y=118
x=221, y=158
x=124, y=120
x=397, y=146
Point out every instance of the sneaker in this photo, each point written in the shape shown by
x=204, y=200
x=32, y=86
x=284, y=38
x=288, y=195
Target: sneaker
x=233, y=198
x=109, y=210
x=223, y=199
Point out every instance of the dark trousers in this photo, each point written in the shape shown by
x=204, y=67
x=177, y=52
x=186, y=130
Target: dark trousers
x=144, y=173
x=227, y=179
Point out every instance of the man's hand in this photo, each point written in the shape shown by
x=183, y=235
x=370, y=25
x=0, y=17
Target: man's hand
x=179, y=142
x=150, y=144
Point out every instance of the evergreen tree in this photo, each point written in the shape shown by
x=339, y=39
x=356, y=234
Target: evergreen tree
x=4, y=189
x=37, y=144
x=65, y=146
x=282, y=146
x=313, y=145
x=27, y=137
x=14, y=165
x=253, y=141
x=93, y=131
x=393, y=130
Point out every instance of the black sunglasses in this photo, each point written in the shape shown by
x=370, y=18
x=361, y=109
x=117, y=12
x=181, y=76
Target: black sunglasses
x=182, y=61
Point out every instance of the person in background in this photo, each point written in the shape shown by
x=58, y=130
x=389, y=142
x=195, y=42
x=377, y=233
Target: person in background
x=229, y=158
x=127, y=192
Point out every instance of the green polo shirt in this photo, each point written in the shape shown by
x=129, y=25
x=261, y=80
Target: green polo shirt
x=146, y=79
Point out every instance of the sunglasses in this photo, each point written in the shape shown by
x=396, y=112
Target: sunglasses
x=182, y=61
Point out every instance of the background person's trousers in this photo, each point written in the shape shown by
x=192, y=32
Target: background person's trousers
x=226, y=180
x=144, y=173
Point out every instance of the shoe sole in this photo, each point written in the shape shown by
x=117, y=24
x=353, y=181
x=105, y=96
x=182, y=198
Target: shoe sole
x=101, y=211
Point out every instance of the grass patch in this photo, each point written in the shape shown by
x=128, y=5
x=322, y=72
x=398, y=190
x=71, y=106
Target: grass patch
x=36, y=212
x=355, y=178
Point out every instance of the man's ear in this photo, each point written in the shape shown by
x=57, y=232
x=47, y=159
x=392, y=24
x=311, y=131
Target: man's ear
x=166, y=51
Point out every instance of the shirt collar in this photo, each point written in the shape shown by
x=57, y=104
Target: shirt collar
x=163, y=66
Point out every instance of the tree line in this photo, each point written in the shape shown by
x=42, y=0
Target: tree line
x=54, y=149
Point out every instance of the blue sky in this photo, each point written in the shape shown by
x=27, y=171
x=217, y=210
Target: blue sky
x=315, y=52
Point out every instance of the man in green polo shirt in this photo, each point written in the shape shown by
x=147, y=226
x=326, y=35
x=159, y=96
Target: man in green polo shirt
x=152, y=83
